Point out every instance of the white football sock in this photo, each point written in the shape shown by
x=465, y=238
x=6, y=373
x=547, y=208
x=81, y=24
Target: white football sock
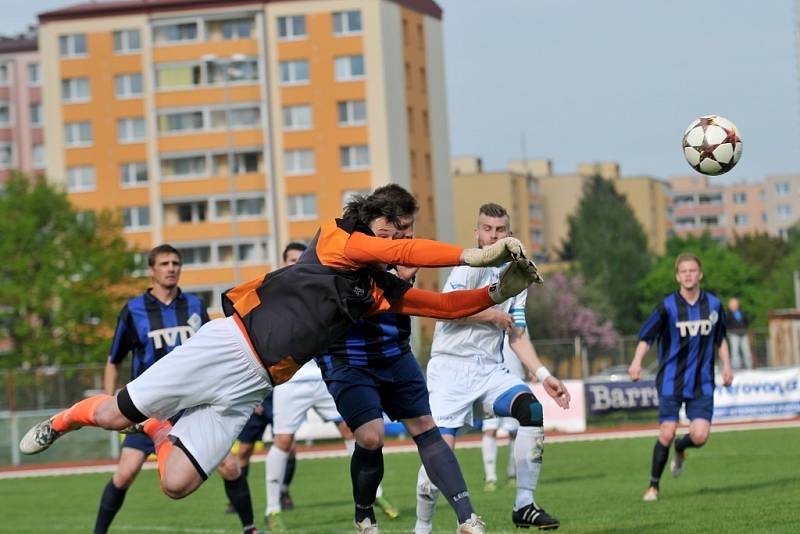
x=350, y=445
x=274, y=473
x=427, y=495
x=528, y=449
x=511, y=466
x=489, y=452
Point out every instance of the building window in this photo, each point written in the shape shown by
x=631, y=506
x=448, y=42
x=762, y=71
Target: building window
x=709, y=220
x=237, y=29
x=294, y=72
x=740, y=219
x=133, y=174
x=195, y=255
x=354, y=157
x=349, y=194
x=740, y=197
x=250, y=207
x=128, y=85
x=184, y=167
x=784, y=211
x=240, y=117
x=423, y=80
x=177, y=76
x=426, y=126
x=293, y=27
x=127, y=41
x=36, y=114
x=709, y=198
x=5, y=114
x=220, y=72
x=685, y=222
x=764, y=217
x=176, y=33
x=352, y=112
x=130, y=130
x=346, y=22
x=537, y=236
x=349, y=68
x=182, y=121
x=38, y=156
x=6, y=156
x=80, y=179
x=77, y=134
x=410, y=119
x=34, y=74
x=302, y=207
x=297, y=117
x=683, y=200
x=782, y=189
x=298, y=161
x=73, y=45
x=191, y=212
x=5, y=74
x=246, y=162
x=75, y=90
x=136, y=218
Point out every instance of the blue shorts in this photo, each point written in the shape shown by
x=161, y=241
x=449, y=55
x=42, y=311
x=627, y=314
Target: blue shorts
x=364, y=393
x=697, y=408
x=254, y=428
x=140, y=442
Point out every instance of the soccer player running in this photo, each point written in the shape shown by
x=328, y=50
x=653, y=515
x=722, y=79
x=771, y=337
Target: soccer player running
x=150, y=326
x=466, y=368
x=689, y=326
x=278, y=323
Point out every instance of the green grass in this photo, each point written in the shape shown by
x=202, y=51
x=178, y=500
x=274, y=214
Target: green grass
x=740, y=482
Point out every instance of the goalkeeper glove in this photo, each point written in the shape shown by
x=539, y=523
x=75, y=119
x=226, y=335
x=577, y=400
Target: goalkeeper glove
x=515, y=279
x=503, y=251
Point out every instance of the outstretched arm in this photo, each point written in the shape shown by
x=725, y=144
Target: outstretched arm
x=364, y=249
x=452, y=305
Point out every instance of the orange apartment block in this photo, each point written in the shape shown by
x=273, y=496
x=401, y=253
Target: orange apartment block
x=230, y=128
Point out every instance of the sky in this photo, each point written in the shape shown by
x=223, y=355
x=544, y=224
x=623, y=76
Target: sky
x=577, y=81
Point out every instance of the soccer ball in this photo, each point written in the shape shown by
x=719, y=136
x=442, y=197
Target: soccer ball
x=711, y=145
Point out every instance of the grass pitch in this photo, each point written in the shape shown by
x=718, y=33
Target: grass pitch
x=743, y=481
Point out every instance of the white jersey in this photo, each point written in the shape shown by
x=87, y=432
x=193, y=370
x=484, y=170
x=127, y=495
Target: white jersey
x=476, y=340
x=310, y=371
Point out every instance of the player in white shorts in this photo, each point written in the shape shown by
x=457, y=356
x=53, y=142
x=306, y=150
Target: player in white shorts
x=466, y=370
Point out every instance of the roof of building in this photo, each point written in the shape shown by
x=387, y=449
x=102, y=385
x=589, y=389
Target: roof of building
x=21, y=43
x=130, y=7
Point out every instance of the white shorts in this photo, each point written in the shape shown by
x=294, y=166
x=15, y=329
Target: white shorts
x=216, y=378
x=457, y=385
x=509, y=424
x=291, y=401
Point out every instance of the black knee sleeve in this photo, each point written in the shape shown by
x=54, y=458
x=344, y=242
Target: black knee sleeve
x=527, y=410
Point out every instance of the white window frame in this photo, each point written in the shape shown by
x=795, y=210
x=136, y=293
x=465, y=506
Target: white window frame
x=740, y=197
x=179, y=177
x=200, y=35
x=343, y=68
x=295, y=203
x=125, y=42
x=70, y=41
x=783, y=211
x=135, y=216
x=70, y=87
x=7, y=147
x=38, y=156
x=7, y=77
x=291, y=65
x=181, y=111
x=10, y=121
x=126, y=130
x=741, y=219
x=344, y=22
x=75, y=127
x=86, y=176
x=294, y=124
x=127, y=85
x=354, y=157
x=292, y=33
x=212, y=254
x=235, y=21
x=34, y=81
x=128, y=172
x=295, y=156
x=349, y=107
x=37, y=117
x=782, y=189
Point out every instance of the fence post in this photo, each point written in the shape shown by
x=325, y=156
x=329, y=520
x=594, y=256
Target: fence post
x=582, y=354
x=12, y=407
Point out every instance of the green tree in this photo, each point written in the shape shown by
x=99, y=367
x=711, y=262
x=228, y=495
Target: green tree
x=64, y=276
x=762, y=251
x=610, y=251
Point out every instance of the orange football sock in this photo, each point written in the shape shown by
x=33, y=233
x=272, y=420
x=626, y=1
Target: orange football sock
x=158, y=431
x=163, y=451
x=79, y=414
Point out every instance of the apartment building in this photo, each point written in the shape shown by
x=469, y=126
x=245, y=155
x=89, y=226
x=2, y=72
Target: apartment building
x=698, y=206
x=231, y=128
x=21, y=113
x=781, y=203
x=745, y=212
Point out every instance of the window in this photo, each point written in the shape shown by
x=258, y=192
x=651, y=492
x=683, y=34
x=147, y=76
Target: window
x=238, y=71
x=710, y=198
x=423, y=80
x=250, y=207
x=136, y=218
x=740, y=197
x=130, y=130
x=195, y=255
x=243, y=117
x=5, y=73
x=300, y=161
x=128, y=85
x=5, y=114
x=247, y=252
x=133, y=174
x=237, y=28
x=349, y=194
x=740, y=219
x=171, y=76
x=181, y=121
x=176, y=33
x=246, y=162
x=537, y=236
x=352, y=112
x=685, y=222
x=75, y=90
x=349, y=68
x=73, y=45
x=683, y=200
x=294, y=72
x=297, y=117
x=784, y=211
x=127, y=41
x=36, y=114
x=346, y=22
x=38, y=156
x=534, y=211
x=183, y=167
x=420, y=37
x=34, y=74
x=6, y=156
x=77, y=134
x=354, y=157
x=81, y=179
x=302, y=207
x=191, y=212
x=782, y=189
x=764, y=217
x=410, y=119
x=426, y=127
x=709, y=220
x=293, y=27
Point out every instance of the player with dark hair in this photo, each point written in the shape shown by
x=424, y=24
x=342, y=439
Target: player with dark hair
x=689, y=326
x=149, y=327
x=276, y=324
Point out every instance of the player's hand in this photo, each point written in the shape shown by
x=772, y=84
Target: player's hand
x=556, y=389
x=503, y=251
x=635, y=371
x=727, y=375
x=259, y=410
x=515, y=279
x=406, y=273
x=503, y=320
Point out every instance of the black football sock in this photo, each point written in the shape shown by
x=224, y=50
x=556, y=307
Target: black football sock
x=684, y=443
x=291, y=463
x=245, y=470
x=660, y=455
x=110, y=503
x=238, y=492
x=443, y=470
x=366, y=472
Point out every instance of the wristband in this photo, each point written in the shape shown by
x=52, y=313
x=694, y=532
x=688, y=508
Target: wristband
x=542, y=373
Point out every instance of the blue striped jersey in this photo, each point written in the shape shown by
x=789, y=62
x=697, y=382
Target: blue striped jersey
x=149, y=329
x=688, y=336
x=374, y=340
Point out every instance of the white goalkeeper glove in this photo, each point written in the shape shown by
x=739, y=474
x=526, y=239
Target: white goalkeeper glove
x=503, y=251
x=515, y=279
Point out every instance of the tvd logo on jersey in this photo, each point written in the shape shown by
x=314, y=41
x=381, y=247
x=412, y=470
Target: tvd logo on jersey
x=170, y=336
x=701, y=326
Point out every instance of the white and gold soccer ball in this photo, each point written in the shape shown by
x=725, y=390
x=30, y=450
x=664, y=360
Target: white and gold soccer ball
x=711, y=145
